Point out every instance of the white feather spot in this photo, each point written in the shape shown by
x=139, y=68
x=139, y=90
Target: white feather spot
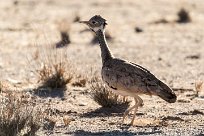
x=98, y=28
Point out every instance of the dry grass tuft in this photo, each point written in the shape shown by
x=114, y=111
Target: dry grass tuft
x=54, y=76
x=53, y=80
x=65, y=39
x=67, y=120
x=18, y=117
x=80, y=83
x=103, y=96
x=76, y=18
x=64, y=28
x=199, y=89
x=35, y=55
x=183, y=16
x=199, y=86
x=52, y=69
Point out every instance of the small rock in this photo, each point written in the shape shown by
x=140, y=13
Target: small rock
x=103, y=120
x=183, y=101
x=111, y=123
x=194, y=112
x=16, y=2
x=161, y=21
x=138, y=29
x=82, y=104
x=172, y=118
x=196, y=56
x=159, y=59
x=14, y=81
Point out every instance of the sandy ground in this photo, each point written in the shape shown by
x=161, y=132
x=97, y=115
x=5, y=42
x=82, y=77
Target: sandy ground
x=172, y=51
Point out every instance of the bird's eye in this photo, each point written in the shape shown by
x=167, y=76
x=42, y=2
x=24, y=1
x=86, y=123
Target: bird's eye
x=93, y=22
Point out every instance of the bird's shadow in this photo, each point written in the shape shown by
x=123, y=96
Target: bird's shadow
x=112, y=133
x=47, y=92
x=105, y=111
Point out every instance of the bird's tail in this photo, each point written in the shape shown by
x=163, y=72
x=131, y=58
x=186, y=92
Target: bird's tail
x=166, y=93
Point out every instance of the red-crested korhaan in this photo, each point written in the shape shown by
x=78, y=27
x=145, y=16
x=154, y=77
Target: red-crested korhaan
x=124, y=77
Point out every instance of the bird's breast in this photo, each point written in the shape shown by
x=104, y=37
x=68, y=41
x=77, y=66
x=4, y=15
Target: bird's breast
x=112, y=80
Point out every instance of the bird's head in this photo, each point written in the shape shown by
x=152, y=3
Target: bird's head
x=96, y=23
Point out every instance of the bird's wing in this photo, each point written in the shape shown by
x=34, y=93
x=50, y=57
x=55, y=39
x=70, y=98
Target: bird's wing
x=124, y=75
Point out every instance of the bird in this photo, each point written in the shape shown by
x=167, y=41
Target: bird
x=124, y=77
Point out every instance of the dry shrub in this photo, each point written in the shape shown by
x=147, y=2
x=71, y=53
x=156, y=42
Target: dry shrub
x=103, y=95
x=183, y=16
x=65, y=39
x=53, y=80
x=80, y=80
x=54, y=76
x=53, y=70
x=18, y=117
x=64, y=28
x=36, y=55
x=67, y=120
x=199, y=89
x=76, y=18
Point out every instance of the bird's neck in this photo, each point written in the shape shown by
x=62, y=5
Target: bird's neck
x=105, y=51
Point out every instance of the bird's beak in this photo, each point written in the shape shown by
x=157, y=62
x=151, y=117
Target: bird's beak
x=84, y=22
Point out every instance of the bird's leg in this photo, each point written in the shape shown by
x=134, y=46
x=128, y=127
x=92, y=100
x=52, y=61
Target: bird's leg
x=138, y=102
x=126, y=112
x=136, y=107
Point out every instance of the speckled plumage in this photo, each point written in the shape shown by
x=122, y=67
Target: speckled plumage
x=124, y=77
x=129, y=79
